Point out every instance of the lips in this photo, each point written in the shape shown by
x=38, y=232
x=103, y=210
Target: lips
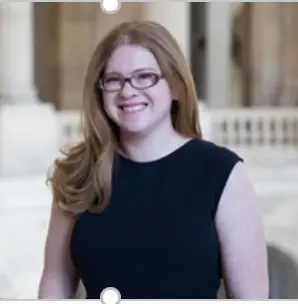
x=133, y=107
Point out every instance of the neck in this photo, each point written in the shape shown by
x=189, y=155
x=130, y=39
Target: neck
x=151, y=147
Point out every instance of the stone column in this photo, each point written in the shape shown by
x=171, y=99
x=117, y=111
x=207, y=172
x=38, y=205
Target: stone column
x=16, y=53
x=77, y=35
x=288, y=50
x=273, y=54
x=175, y=16
x=219, y=54
x=28, y=128
x=265, y=54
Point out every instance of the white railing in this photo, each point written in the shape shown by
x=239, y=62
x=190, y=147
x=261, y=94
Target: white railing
x=258, y=133
x=262, y=134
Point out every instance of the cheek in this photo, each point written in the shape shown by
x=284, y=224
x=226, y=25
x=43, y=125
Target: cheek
x=161, y=96
x=108, y=101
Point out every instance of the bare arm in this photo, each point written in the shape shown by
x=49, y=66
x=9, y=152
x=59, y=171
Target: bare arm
x=59, y=280
x=241, y=235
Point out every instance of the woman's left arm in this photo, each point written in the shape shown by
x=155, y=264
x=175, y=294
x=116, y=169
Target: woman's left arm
x=241, y=235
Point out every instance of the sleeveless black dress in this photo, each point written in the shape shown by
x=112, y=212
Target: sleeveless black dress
x=157, y=238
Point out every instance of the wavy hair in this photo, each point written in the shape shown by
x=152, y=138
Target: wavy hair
x=81, y=180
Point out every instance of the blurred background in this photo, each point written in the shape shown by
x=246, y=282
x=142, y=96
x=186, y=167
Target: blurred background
x=244, y=58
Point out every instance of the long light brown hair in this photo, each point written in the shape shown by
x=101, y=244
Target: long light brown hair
x=82, y=179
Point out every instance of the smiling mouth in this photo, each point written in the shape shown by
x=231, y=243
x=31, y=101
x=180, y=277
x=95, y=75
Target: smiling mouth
x=131, y=108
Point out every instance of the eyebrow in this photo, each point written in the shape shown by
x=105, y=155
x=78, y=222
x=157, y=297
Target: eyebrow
x=134, y=71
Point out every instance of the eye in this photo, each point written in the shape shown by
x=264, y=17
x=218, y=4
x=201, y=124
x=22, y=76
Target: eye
x=146, y=76
x=112, y=79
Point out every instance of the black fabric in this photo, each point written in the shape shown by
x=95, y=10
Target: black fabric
x=157, y=238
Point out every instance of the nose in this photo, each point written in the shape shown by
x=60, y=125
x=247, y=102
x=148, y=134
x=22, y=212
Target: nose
x=128, y=91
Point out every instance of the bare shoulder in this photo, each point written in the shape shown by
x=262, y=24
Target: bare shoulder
x=239, y=185
x=241, y=235
x=238, y=203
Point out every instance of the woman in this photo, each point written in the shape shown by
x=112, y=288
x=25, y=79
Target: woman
x=143, y=204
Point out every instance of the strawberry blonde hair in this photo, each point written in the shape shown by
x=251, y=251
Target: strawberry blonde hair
x=81, y=180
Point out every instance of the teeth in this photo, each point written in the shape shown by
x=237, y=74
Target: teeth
x=133, y=108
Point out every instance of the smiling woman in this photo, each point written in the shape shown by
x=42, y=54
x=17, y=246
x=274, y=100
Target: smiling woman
x=144, y=204
x=136, y=114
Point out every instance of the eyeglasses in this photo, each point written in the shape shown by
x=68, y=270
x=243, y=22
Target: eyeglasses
x=139, y=81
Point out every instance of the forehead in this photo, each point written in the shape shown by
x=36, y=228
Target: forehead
x=128, y=58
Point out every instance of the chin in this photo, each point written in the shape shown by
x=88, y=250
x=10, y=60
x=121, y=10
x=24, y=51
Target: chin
x=135, y=130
